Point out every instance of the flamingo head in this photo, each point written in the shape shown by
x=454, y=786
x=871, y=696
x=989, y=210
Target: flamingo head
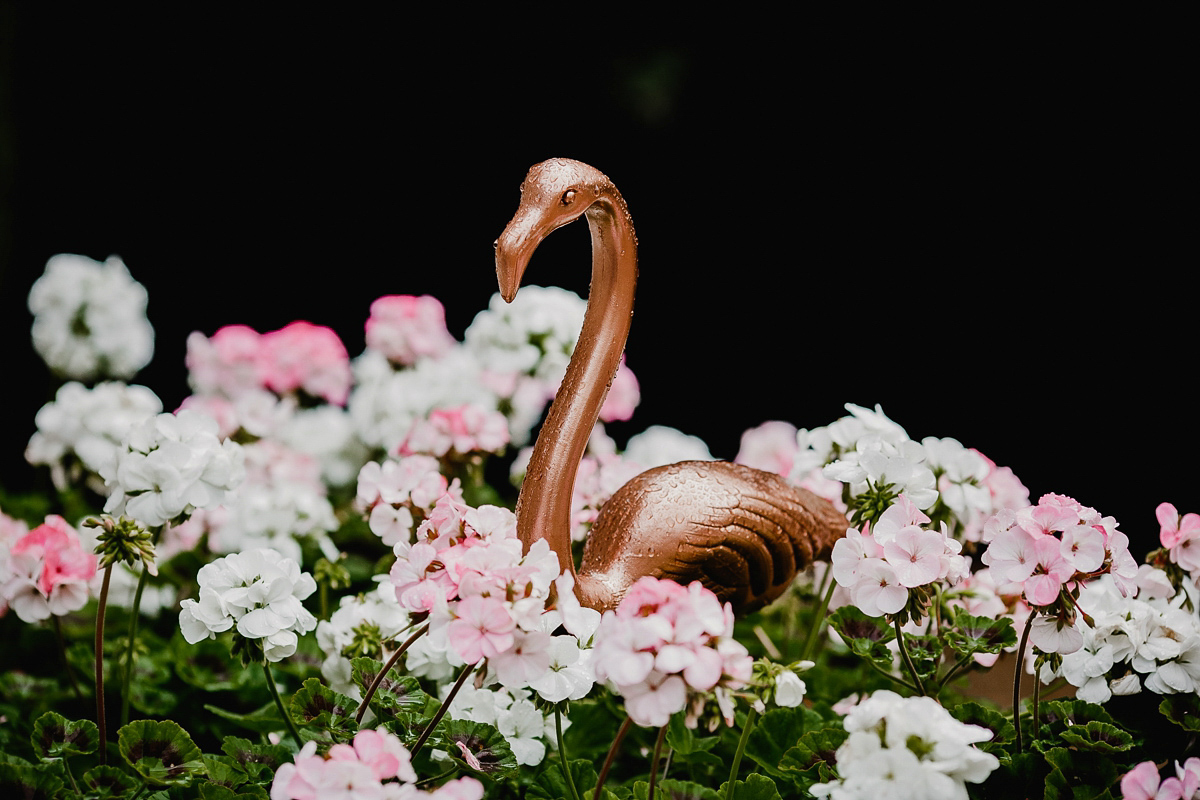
x=554, y=193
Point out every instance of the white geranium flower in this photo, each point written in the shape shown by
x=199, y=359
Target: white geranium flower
x=260, y=593
x=89, y=319
x=171, y=465
x=80, y=432
x=659, y=445
x=789, y=689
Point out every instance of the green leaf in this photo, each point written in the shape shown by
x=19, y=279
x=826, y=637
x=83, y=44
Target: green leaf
x=1078, y=775
x=551, y=785
x=207, y=665
x=999, y=724
x=109, y=782
x=265, y=719
x=316, y=704
x=755, y=787
x=255, y=759
x=925, y=652
x=971, y=635
x=684, y=741
x=1182, y=709
x=224, y=770
x=29, y=783
x=161, y=752
x=483, y=741
x=675, y=790
x=815, y=756
x=866, y=637
x=396, y=696
x=1099, y=737
x=776, y=732
x=54, y=736
x=213, y=791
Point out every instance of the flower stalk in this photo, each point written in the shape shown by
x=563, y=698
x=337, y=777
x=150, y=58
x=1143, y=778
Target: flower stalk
x=612, y=753
x=1020, y=666
x=751, y=717
x=375, y=684
x=100, y=609
x=562, y=755
x=287, y=718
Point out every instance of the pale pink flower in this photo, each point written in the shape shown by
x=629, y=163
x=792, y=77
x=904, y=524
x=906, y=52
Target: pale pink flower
x=462, y=430
x=916, y=556
x=482, y=628
x=1011, y=555
x=303, y=356
x=48, y=572
x=771, y=447
x=227, y=364
x=1050, y=572
x=623, y=395
x=406, y=328
x=652, y=702
x=525, y=662
x=878, y=590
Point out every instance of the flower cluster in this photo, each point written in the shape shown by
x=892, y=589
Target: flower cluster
x=406, y=328
x=398, y=494
x=1144, y=783
x=361, y=627
x=1128, y=643
x=667, y=648
x=1045, y=553
x=90, y=319
x=47, y=570
x=300, y=357
x=907, y=747
x=259, y=593
x=80, y=432
x=1180, y=537
x=457, y=432
x=362, y=770
x=169, y=466
x=883, y=564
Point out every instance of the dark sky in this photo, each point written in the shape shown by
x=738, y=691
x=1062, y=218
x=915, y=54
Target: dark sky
x=988, y=240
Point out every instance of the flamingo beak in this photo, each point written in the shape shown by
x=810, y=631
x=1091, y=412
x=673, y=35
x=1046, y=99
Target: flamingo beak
x=515, y=247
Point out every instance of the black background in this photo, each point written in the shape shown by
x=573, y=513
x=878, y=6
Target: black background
x=986, y=236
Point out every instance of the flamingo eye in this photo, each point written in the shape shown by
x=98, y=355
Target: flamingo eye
x=568, y=197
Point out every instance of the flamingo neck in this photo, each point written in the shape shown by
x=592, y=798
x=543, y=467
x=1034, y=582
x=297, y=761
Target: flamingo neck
x=544, y=506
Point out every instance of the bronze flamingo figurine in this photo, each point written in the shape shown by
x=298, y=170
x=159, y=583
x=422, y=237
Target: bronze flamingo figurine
x=743, y=532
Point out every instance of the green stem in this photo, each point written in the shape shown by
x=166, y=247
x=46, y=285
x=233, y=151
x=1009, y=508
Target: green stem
x=441, y=712
x=101, y=607
x=436, y=778
x=1017, y=681
x=890, y=676
x=134, y=615
x=562, y=755
x=751, y=716
x=1037, y=692
x=362, y=709
x=612, y=753
x=906, y=658
x=287, y=718
x=814, y=634
x=658, y=743
x=951, y=673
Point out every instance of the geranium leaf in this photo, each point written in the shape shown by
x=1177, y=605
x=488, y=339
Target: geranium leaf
x=161, y=752
x=224, y=770
x=482, y=741
x=999, y=724
x=815, y=756
x=265, y=719
x=755, y=787
x=1182, y=709
x=1099, y=737
x=207, y=665
x=54, y=736
x=396, y=693
x=253, y=758
x=971, y=634
x=675, y=790
x=684, y=741
x=866, y=637
x=776, y=732
x=551, y=785
x=109, y=782
x=315, y=701
x=213, y=791
x=29, y=782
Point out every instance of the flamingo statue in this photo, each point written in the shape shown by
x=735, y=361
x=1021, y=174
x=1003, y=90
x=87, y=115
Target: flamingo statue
x=743, y=532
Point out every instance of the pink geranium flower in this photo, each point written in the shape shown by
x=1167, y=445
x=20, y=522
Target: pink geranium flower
x=48, y=572
x=303, y=356
x=406, y=328
x=482, y=628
